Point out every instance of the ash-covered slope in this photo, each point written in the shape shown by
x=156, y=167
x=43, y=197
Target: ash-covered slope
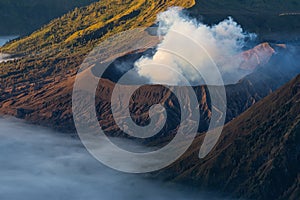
x=258, y=154
x=38, y=87
x=48, y=102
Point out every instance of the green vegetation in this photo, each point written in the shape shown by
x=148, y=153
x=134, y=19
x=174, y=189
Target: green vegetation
x=84, y=27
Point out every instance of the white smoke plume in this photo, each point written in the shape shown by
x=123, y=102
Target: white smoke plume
x=220, y=43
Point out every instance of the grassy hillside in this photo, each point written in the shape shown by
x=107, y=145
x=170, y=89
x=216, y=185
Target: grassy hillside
x=86, y=26
x=20, y=17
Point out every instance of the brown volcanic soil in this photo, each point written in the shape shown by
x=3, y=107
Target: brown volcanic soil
x=258, y=154
x=48, y=101
x=258, y=151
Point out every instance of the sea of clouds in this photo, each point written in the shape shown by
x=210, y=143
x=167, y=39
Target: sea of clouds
x=37, y=163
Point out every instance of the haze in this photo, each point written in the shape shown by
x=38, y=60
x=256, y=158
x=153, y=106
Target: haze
x=40, y=164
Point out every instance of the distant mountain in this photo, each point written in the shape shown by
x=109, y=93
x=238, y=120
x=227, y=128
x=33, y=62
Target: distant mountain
x=258, y=154
x=276, y=20
x=21, y=17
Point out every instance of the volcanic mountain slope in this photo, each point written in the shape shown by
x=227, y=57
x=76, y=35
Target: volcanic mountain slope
x=20, y=17
x=49, y=102
x=258, y=154
x=79, y=30
x=259, y=151
x=281, y=68
x=38, y=86
x=54, y=53
x=40, y=82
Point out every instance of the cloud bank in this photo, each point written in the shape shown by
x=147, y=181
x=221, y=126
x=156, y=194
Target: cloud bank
x=40, y=164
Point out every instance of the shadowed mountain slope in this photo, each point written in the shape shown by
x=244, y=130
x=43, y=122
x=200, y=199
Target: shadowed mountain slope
x=258, y=154
x=48, y=101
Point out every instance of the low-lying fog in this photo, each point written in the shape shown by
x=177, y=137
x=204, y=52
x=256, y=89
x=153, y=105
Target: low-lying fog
x=37, y=163
x=3, y=40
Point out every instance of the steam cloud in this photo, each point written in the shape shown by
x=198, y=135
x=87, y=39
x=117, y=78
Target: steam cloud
x=221, y=43
x=40, y=164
